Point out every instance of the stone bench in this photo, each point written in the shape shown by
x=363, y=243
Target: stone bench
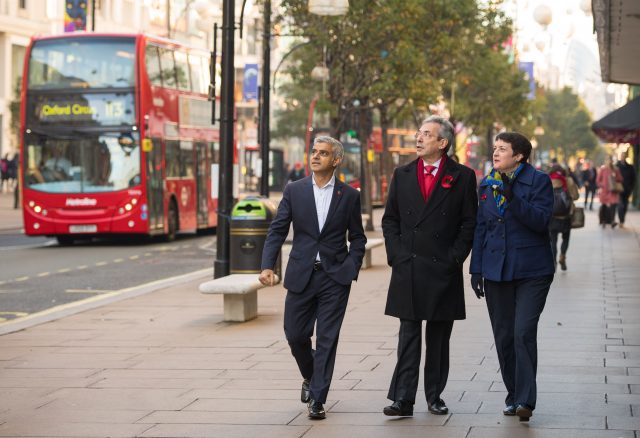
x=371, y=243
x=240, y=294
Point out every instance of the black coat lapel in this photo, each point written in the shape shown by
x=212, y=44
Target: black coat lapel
x=336, y=197
x=413, y=186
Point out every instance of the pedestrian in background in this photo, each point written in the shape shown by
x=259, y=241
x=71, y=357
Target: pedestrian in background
x=428, y=227
x=297, y=173
x=321, y=268
x=628, y=183
x=565, y=191
x=4, y=173
x=608, y=177
x=589, y=178
x=512, y=263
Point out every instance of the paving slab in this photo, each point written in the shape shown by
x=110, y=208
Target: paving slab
x=165, y=364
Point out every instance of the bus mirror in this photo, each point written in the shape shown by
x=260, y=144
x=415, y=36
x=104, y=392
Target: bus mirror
x=147, y=145
x=127, y=143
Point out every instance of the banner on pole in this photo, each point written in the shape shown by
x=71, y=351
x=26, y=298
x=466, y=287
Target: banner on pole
x=75, y=15
x=250, y=83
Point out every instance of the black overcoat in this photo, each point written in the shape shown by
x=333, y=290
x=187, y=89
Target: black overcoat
x=427, y=242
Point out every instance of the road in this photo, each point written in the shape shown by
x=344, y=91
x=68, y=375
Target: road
x=37, y=274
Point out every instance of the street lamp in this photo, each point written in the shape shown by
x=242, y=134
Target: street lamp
x=227, y=104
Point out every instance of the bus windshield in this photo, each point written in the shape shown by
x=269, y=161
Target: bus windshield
x=82, y=162
x=82, y=63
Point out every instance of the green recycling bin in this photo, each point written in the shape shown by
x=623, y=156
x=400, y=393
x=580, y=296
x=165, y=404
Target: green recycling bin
x=250, y=221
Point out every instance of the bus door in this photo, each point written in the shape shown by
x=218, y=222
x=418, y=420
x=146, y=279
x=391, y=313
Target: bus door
x=155, y=187
x=202, y=178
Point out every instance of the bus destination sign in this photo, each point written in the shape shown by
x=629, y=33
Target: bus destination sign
x=86, y=109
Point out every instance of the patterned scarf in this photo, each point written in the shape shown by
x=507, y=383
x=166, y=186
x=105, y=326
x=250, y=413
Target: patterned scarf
x=495, y=181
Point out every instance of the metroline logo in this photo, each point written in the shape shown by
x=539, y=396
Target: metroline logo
x=81, y=202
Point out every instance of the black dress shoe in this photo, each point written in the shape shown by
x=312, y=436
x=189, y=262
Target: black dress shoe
x=509, y=410
x=399, y=408
x=316, y=410
x=524, y=412
x=305, y=394
x=438, y=407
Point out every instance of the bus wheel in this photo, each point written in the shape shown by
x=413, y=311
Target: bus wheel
x=64, y=240
x=173, y=222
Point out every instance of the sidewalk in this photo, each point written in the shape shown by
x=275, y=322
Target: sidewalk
x=10, y=218
x=166, y=365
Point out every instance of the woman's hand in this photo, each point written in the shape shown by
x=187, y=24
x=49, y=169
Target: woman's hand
x=477, y=284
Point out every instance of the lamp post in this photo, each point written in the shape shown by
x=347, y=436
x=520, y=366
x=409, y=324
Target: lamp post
x=264, y=134
x=225, y=177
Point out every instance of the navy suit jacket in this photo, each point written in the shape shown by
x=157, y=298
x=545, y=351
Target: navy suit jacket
x=515, y=246
x=341, y=263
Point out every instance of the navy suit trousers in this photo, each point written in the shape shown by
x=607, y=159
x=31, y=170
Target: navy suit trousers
x=514, y=309
x=322, y=303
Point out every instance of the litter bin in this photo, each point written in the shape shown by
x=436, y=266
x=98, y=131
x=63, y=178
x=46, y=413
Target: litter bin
x=250, y=220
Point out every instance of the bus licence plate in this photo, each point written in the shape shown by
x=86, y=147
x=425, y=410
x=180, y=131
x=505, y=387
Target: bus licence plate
x=83, y=228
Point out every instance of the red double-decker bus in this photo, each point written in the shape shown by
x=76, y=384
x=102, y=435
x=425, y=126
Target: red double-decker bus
x=116, y=137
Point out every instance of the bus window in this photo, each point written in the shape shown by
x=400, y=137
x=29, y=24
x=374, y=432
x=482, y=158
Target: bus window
x=198, y=85
x=168, y=68
x=182, y=71
x=82, y=63
x=153, y=65
x=186, y=157
x=172, y=159
x=214, y=152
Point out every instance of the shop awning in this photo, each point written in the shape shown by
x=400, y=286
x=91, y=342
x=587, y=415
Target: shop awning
x=621, y=125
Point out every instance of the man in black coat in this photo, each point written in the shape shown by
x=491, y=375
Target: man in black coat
x=428, y=226
x=324, y=213
x=628, y=183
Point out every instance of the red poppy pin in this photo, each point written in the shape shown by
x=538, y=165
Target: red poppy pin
x=446, y=181
x=483, y=197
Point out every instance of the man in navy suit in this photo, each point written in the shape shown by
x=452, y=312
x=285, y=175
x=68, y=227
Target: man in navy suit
x=321, y=267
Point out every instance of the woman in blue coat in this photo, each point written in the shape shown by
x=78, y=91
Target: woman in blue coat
x=512, y=264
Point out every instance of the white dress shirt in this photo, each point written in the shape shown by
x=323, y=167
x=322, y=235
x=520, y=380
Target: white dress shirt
x=322, y=196
x=436, y=164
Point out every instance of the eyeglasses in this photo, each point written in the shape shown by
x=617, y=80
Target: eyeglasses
x=425, y=134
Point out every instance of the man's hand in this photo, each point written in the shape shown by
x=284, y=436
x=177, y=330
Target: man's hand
x=477, y=284
x=507, y=187
x=267, y=277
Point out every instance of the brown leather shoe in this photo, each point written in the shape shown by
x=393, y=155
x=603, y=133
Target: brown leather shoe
x=438, y=407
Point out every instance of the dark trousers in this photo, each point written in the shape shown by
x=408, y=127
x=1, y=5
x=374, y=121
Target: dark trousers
x=607, y=214
x=404, y=382
x=514, y=310
x=623, y=205
x=562, y=227
x=322, y=304
x=589, y=191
